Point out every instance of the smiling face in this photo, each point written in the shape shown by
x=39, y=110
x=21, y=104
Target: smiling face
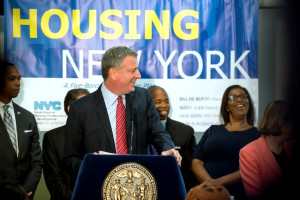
x=12, y=84
x=126, y=75
x=161, y=102
x=239, y=107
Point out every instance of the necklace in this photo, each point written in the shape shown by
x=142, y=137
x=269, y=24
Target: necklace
x=237, y=126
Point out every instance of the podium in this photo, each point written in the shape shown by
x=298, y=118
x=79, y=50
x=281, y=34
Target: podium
x=108, y=177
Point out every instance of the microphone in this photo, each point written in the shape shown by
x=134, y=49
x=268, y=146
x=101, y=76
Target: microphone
x=131, y=120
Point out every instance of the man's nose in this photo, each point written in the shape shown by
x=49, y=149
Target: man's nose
x=18, y=82
x=137, y=74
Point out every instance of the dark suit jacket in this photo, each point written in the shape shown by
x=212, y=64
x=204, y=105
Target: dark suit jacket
x=183, y=137
x=89, y=129
x=25, y=169
x=58, y=181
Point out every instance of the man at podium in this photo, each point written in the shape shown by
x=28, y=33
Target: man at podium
x=118, y=117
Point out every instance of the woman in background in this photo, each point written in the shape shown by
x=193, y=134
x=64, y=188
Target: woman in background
x=266, y=163
x=216, y=158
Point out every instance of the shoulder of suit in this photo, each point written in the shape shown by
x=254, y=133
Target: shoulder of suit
x=178, y=123
x=56, y=130
x=139, y=89
x=21, y=110
x=54, y=135
x=139, y=92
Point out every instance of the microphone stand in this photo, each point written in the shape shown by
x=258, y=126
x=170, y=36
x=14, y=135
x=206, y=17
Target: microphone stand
x=131, y=134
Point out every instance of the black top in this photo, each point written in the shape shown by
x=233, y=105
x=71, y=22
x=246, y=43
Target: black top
x=219, y=150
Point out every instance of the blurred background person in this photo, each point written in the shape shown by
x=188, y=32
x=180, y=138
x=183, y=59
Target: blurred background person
x=20, y=151
x=266, y=164
x=216, y=158
x=181, y=134
x=59, y=182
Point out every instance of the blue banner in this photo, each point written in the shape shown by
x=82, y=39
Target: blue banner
x=176, y=39
x=208, y=40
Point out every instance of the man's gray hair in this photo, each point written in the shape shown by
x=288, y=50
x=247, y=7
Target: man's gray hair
x=114, y=57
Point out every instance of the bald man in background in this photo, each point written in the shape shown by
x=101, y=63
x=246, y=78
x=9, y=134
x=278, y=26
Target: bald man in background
x=181, y=134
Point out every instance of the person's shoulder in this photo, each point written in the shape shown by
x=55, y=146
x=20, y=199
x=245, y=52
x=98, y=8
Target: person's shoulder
x=56, y=130
x=178, y=123
x=253, y=145
x=21, y=110
x=86, y=101
x=140, y=90
x=140, y=93
x=216, y=127
x=254, y=131
x=54, y=136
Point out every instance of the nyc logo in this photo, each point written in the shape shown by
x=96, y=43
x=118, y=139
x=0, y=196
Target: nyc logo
x=47, y=105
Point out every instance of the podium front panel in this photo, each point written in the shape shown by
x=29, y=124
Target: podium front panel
x=95, y=169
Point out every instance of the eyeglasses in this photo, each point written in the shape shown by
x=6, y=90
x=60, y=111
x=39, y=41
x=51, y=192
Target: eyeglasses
x=235, y=97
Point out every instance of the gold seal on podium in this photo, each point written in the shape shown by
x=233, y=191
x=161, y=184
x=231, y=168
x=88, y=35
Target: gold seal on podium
x=129, y=181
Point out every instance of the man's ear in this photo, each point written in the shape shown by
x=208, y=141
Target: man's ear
x=113, y=73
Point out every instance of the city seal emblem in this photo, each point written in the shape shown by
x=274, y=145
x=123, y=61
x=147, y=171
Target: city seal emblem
x=129, y=181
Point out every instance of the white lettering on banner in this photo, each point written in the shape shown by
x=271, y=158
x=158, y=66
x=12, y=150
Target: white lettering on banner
x=215, y=66
x=66, y=56
x=234, y=64
x=163, y=63
x=200, y=64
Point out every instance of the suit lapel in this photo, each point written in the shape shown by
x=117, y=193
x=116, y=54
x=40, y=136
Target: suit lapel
x=129, y=101
x=20, y=129
x=268, y=156
x=101, y=111
x=5, y=137
x=130, y=138
x=170, y=128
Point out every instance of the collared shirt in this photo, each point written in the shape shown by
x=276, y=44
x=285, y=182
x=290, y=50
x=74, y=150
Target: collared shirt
x=12, y=113
x=111, y=102
x=164, y=122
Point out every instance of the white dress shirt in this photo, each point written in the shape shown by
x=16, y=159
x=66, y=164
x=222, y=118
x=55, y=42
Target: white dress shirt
x=111, y=102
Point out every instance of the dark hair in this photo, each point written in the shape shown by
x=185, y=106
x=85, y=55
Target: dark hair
x=223, y=111
x=72, y=95
x=114, y=57
x=3, y=69
x=274, y=117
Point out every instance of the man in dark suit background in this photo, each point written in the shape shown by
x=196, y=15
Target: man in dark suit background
x=181, y=134
x=58, y=181
x=20, y=163
x=91, y=124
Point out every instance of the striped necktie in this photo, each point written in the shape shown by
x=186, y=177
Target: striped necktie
x=121, y=127
x=8, y=121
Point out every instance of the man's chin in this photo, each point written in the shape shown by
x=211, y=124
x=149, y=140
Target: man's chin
x=163, y=117
x=131, y=89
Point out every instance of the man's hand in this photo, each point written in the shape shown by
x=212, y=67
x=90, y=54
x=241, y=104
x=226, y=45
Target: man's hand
x=174, y=153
